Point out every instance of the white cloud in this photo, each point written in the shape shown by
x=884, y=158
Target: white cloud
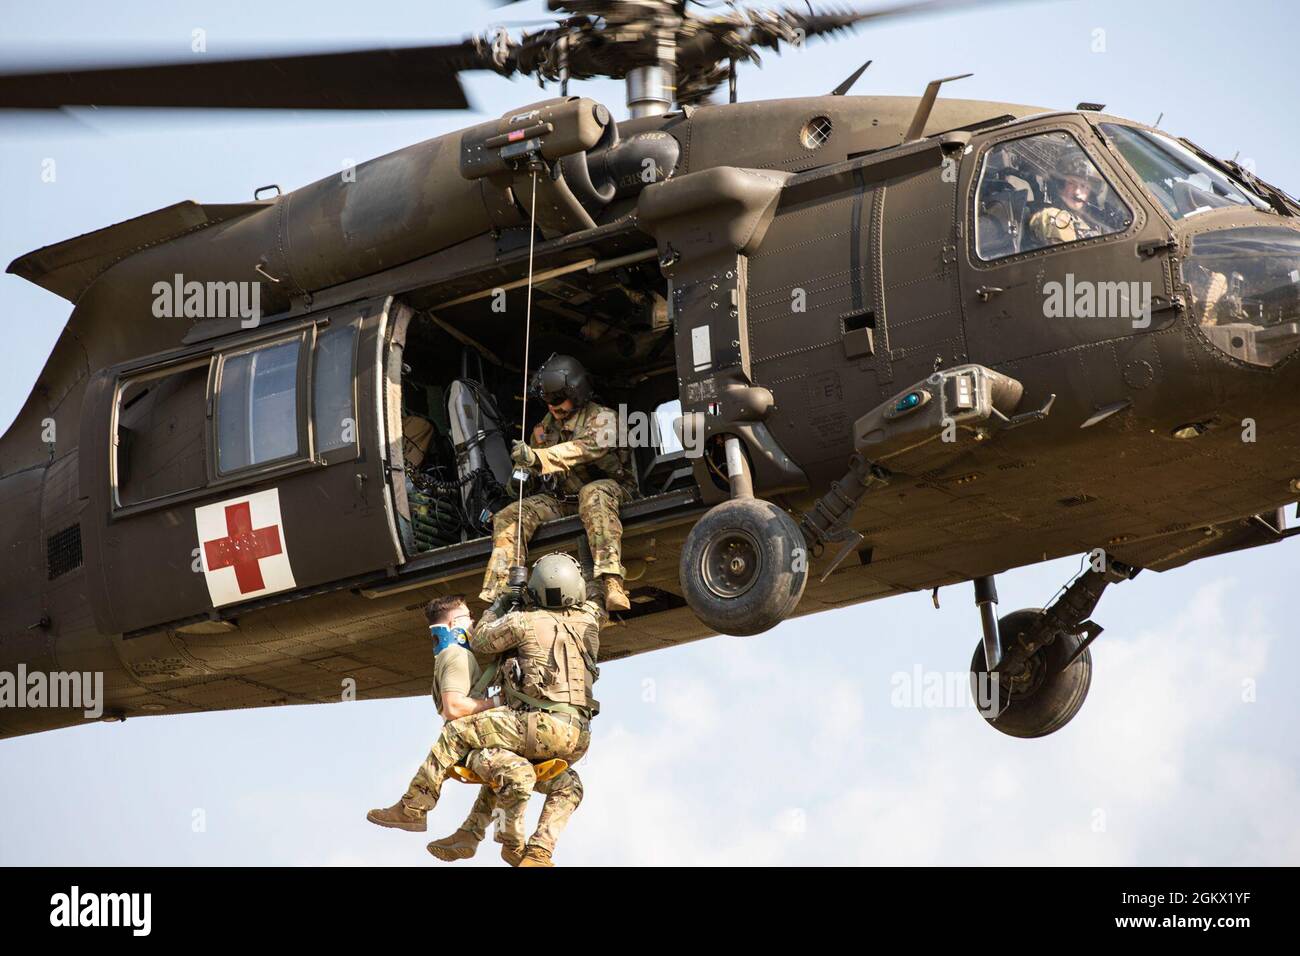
x=791, y=772
x=784, y=748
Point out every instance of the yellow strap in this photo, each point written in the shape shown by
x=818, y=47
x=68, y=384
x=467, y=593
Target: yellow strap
x=465, y=775
x=550, y=769
x=545, y=770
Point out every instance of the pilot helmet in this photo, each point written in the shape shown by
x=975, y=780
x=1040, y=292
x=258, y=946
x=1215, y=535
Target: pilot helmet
x=1076, y=167
x=561, y=377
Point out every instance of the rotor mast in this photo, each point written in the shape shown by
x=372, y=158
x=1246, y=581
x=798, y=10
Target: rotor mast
x=666, y=56
x=652, y=88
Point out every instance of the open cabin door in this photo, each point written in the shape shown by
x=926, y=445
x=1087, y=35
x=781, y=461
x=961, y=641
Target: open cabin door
x=238, y=471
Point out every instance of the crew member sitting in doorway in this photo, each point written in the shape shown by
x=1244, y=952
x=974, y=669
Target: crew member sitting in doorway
x=583, y=468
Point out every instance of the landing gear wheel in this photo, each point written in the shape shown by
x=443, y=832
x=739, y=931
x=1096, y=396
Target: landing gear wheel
x=744, y=566
x=1047, y=695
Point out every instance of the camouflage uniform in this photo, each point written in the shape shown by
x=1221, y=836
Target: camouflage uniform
x=1052, y=226
x=550, y=701
x=509, y=778
x=1221, y=307
x=510, y=781
x=563, y=794
x=591, y=475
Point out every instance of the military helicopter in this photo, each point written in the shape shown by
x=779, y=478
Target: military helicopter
x=884, y=345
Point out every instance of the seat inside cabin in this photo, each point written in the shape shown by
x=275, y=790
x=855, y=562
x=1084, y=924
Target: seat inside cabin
x=462, y=384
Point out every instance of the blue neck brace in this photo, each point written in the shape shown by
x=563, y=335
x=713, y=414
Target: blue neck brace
x=444, y=637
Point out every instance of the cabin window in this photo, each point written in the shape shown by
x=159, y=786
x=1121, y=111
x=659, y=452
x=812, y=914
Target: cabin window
x=257, y=406
x=159, y=435
x=1042, y=191
x=333, y=404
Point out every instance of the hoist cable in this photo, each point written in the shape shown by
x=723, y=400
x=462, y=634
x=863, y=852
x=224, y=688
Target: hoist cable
x=528, y=331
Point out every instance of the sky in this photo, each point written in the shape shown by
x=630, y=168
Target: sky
x=794, y=747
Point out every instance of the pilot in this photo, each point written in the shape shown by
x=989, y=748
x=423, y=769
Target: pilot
x=1217, y=295
x=510, y=778
x=548, y=701
x=1074, y=215
x=575, y=449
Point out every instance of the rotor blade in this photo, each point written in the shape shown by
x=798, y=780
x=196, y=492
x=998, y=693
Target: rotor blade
x=837, y=19
x=742, y=32
x=770, y=28
x=405, y=78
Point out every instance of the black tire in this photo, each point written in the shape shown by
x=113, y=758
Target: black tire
x=744, y=567
x=1054, y=692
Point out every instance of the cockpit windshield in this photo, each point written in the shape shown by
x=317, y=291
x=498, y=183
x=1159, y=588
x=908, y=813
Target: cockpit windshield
x=1180, y=180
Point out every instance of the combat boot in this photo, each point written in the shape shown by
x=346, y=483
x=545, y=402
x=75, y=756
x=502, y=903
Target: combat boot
x=536, y=855
x=512, y=854
x=459, y=846
x=400, y=817
x=615, y=596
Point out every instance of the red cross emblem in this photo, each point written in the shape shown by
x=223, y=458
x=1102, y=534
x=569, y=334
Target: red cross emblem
x=243, y=547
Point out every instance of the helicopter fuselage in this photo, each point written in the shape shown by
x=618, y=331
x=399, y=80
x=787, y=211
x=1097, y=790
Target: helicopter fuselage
x=781, y=269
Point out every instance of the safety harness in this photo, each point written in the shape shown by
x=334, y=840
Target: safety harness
x=570, y=640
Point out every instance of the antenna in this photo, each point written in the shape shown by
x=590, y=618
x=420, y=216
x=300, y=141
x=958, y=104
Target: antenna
x=923, y=108
x=844, y=87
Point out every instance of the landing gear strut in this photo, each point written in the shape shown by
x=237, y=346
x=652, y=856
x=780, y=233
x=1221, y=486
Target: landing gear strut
x=1041, y=666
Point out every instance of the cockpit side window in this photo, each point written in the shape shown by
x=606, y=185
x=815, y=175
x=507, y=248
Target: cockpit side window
x=1179, y=179
x=1040, y=191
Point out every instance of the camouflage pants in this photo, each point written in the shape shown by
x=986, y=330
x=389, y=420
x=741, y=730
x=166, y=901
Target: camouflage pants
x=534, y=735
x=563, y=794
x=598, y=504
x=510, y=780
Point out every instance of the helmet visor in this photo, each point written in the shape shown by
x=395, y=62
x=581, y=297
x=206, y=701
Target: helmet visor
x=551, y=386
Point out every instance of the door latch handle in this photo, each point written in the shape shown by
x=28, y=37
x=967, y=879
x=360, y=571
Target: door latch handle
x=1151, y=247
x=986, y=292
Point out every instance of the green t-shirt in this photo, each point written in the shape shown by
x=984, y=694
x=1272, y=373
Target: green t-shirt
x=454, y=672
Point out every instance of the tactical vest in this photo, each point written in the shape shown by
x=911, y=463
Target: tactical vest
x=615, y=464
x=557, y=661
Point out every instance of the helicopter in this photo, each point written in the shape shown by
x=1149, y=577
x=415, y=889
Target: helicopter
x=883, y=345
